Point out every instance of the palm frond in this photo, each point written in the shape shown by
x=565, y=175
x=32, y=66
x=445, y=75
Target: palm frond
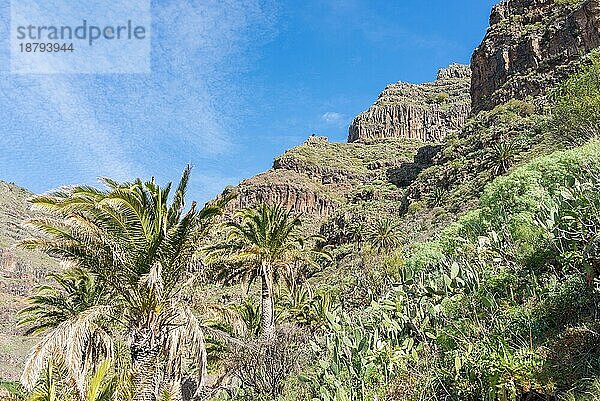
x=73, y=338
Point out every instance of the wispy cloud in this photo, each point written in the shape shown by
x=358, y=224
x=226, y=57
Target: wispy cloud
x=60, y=114
x=132, y=124
x=334, y=118
x=205, y=46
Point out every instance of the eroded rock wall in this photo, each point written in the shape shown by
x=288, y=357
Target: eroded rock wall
x=427, y=112
x=530, y=46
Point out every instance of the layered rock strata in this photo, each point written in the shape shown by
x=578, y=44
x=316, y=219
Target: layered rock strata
x=427, y=112
x=530, y=46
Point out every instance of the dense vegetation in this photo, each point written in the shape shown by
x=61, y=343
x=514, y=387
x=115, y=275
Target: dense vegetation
x=502, y=303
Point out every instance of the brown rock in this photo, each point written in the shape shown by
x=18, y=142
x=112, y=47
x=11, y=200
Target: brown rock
x=426, y=111
x=530, y=46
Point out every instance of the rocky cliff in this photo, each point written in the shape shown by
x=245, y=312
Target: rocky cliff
x=530, y=46
x=427, y=112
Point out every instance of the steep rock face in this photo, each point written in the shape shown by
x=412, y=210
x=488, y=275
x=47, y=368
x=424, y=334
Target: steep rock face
x=301, y=199
x=427, y=112
x=530, y=46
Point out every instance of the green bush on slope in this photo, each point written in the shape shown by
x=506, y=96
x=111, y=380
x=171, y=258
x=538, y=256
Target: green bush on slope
x=513, y=326
x=576, y=109
x=510, y=203
x=488, y=311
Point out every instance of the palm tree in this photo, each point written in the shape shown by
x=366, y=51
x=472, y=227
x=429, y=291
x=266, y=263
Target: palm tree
x=384, y=235
x=75, y=291
x=265, y=242
x=138, y=248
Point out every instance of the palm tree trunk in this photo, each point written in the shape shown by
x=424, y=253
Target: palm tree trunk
x=267, y=312
x=144, y=358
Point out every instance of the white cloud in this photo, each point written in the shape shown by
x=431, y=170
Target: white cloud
x=61, y=112
x=127, y=125
x=334, y=118
x=206, y=45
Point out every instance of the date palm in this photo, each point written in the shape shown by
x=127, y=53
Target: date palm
x=265, y=242
x=75, y=291
x=138, y=248
x=384, y=235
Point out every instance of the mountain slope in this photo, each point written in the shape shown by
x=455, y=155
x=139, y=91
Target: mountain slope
x=20, y=272
x=318, y=178
x=323, y=179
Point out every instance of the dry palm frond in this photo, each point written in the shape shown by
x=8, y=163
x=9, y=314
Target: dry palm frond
x=187, y=338
x=217, y=313
x=77, y=340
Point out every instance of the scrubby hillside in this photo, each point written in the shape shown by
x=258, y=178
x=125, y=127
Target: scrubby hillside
x=478, y=282
x=319, y=178
x=388, y=146
x=455, y=261
x=20, y=272
x=487, y=286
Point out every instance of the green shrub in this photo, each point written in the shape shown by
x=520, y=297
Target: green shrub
x=510, y=203
x=439, y=98
x=572, y=219
x=425, y=256
x=576, y=105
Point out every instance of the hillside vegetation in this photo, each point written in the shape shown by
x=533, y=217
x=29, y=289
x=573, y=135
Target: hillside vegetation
x=498, y=302
x=20, y=272
x=464, y=270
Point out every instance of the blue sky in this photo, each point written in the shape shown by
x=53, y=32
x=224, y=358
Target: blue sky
x=233, y=84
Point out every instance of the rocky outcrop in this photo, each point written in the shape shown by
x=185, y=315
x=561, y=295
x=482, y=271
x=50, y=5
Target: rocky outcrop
x=530, y=46
x=421, y=111
x=293, y=183
x=319, y=177
x=291, y=161
x=301, y=199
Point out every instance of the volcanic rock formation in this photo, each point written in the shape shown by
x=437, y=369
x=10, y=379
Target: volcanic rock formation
x=530, y=46
x=427, y=112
